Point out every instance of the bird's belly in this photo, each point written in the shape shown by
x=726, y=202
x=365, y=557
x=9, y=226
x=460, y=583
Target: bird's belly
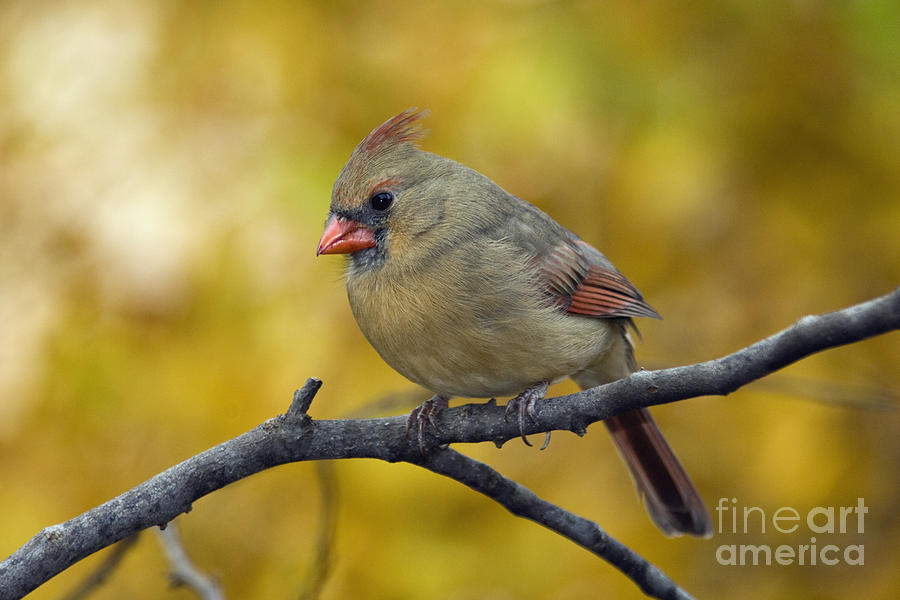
x=453, y=349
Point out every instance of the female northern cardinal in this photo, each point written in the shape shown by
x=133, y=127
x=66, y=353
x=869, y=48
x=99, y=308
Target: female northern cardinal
x=470, y=291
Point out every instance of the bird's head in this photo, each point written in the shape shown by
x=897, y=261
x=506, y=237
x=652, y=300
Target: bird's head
x=387, y=197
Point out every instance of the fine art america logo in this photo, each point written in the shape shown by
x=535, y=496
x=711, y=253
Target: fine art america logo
x=826, y=522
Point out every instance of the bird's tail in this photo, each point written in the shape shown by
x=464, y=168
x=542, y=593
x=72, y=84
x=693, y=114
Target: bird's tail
x=671, y=498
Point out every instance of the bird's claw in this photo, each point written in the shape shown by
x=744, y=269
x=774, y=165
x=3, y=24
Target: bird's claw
x=425, y=413
x=523, y=405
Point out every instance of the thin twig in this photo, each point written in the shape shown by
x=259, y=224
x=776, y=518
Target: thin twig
x=324, y=559
x=98, y=576
x=867, y=396
x=182, y=571
x=303, y=398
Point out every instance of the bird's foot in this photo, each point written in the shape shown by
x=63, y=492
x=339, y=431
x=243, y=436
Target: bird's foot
x=523, y=405
x=425, y=413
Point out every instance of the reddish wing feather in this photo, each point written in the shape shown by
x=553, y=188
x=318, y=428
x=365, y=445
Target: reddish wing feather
x=606, y=293
x=585, y=283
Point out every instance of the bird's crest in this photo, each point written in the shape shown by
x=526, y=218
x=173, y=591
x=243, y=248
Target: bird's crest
x=403, y=128
x=397, y=131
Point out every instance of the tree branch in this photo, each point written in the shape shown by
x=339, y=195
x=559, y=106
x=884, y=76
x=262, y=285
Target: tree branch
x=295, y=437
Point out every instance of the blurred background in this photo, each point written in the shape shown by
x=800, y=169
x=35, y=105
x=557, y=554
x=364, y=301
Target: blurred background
x=165, y=172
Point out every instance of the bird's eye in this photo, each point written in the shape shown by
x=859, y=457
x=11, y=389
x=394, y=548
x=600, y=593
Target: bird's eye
x=381, y=200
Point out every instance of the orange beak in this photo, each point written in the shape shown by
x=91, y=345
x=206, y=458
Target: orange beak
x=343, y=236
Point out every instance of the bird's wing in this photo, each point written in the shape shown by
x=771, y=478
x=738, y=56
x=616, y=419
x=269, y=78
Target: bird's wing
x=582, y=281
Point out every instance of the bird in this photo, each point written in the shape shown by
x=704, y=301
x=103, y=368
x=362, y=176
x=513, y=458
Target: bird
x=470, y=291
